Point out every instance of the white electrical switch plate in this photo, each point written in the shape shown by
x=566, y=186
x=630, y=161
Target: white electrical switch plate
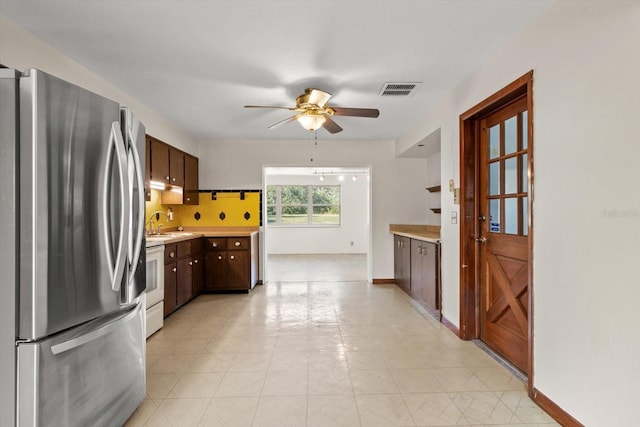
x=454, y=217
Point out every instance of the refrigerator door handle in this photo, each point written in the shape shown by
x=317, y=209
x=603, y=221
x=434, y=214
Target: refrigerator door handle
x=137, y=246
x=95, y=333
x=116, y=269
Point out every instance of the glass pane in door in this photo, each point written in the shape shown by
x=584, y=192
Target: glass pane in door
x=494, y=215
x=511, y=215
x=511, y=135
x=510, y=175
x=494, y=141
x=494, y=178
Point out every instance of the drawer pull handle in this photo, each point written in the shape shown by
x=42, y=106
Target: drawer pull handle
x=232, y=257
x=237, y=244
x=214, y=244
x=219, y=256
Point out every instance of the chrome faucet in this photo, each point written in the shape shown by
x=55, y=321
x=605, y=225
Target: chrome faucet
x=156, y=230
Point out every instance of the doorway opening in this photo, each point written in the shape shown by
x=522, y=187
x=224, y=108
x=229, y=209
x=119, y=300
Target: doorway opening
x=317, y=224
x=496, y=277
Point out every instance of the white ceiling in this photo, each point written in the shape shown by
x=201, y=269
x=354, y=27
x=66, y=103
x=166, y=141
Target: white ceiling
x=199, y=62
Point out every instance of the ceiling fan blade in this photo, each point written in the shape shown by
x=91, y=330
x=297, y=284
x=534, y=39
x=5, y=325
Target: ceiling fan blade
x=269, y=106
x=318, y=97
x=356, y=112
x=283, y=122
x=331, y=126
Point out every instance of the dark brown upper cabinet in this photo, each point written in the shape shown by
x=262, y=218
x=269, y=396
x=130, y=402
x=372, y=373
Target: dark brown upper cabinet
x=191, y=195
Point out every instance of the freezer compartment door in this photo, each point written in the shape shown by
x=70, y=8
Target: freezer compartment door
x=93, y=375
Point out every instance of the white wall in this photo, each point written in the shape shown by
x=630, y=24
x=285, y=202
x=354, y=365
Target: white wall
x=433, y=179
x=397, y=185
x=586, y=202
x=354, y=220
x=21, y=50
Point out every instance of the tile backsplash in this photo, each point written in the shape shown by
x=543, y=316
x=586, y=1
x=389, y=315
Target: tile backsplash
x=228, y=210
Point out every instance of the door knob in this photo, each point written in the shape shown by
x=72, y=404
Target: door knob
x=482, y=217
x=481, y=239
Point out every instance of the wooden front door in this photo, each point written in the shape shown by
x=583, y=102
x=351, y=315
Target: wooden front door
x=503, y=225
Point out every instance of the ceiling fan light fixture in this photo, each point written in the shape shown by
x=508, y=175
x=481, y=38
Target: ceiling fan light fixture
x=311, y=121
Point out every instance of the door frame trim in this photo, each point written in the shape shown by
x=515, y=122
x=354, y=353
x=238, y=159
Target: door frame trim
x=469, y=208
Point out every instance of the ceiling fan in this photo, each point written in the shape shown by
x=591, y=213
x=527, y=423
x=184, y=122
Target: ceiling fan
x=313, y=111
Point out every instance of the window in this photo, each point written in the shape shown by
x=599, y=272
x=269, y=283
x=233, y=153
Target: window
x=303, y=205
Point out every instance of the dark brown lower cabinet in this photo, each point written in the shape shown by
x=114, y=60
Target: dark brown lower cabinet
x=182, y=273
x=424, y=273
x=402, y=262
x=170, y=282
x=416, y=270
x=231, y=263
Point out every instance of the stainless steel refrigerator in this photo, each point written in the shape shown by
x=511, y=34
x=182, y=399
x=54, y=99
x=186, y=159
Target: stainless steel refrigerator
x=72, y=339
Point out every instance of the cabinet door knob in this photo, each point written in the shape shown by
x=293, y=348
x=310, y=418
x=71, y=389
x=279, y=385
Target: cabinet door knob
x=168, y=178
x=195, y=261
x=232, y=257
x=214, y=244
x=237, y=244
x=174, y=269
x=219, y=256
x=172, y=254
x=188, y=199
x=174, y=180
x=190, y=263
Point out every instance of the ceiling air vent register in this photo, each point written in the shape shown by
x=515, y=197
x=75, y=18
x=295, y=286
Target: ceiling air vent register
x=399, y=89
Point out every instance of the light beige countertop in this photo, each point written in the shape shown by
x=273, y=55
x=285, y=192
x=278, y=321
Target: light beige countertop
x=173, y=235
x=426, y=233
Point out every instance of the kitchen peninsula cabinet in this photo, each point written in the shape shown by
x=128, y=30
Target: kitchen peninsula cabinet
x=231, y=263
x=402, y=262
x=417, y=264
x=424, y=274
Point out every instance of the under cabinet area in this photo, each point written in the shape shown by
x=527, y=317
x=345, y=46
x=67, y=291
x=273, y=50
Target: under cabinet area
x=231, y=263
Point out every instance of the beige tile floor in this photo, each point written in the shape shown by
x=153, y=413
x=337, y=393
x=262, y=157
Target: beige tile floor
x=322, y=353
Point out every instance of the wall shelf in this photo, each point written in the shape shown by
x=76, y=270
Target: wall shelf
x=434, y=189
x=436, y=210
